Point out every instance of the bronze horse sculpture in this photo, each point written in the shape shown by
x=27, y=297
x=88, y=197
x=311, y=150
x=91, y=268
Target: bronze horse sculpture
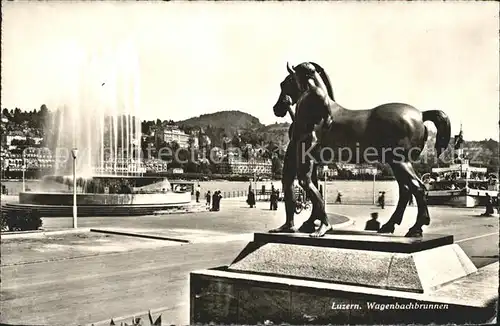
x=393, y=133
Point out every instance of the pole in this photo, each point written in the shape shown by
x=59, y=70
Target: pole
x=373, y=188
x=255, y=181
x=24, y=176
x=75, y=223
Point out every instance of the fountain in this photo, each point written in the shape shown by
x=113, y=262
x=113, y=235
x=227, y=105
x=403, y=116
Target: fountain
x=100, y=119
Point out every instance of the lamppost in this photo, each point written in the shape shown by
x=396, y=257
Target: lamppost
x=374, y=171
x=255, y=180
x=24, y=170
x=74, y=153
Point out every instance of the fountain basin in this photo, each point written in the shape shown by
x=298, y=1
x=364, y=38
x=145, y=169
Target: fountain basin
x=143, y=196
x=66, y=199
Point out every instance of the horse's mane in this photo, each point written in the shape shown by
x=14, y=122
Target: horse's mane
x=326, y=79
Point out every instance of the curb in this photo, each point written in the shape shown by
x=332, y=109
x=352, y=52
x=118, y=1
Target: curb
x=179, y=211
x=350, y=221
x=138, y=235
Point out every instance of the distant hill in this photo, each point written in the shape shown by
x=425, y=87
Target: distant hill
x=230, y=121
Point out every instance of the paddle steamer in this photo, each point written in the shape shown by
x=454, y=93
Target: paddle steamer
x=460, y=184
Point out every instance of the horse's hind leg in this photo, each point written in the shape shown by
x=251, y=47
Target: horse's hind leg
x=404, y=198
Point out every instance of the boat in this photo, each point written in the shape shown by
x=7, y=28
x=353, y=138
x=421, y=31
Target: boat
x=460, y=184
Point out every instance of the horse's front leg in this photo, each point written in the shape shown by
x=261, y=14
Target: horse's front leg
x=305, y=170
x=288, y=177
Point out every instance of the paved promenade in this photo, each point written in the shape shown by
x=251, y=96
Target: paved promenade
x=80, y=277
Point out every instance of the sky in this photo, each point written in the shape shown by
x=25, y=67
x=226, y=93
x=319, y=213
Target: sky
x=190, y=58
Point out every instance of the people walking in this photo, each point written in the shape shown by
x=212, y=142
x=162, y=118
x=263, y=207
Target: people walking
x=339, y=198
x=381, y=199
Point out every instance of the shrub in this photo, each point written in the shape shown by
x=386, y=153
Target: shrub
x=23, y=221
x=140, y=322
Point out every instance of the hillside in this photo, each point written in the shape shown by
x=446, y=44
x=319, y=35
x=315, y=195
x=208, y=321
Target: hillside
x=230, y=121
x=277, y=132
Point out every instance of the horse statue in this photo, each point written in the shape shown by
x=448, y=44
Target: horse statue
x=392, y=133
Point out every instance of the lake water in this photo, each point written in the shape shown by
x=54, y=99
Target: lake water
x=353, y=192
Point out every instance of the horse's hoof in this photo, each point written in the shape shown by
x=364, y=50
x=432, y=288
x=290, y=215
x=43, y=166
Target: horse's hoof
x=414, y=233
x=387, y=228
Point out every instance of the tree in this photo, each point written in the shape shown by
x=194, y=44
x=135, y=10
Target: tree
x=6, y=113
x=17, y=116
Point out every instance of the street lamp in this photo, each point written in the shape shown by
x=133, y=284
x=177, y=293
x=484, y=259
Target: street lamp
x=24, y=171
x=255, y=180
x=74, y=153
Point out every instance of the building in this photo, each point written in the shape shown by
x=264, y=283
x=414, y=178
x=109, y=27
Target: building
x=246, y=167
x=359, y=168
x=171, y=133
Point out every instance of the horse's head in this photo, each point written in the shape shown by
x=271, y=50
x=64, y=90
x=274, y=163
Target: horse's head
x=288, y=96
x=299, y=79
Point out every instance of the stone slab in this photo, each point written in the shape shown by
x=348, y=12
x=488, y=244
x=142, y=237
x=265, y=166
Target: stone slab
x=223, y=297
x=361, y=240
x=414, y=272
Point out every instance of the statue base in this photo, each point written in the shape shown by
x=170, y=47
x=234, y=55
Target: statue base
x=344, y=277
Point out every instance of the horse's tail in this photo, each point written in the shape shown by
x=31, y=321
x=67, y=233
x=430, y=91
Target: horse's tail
x=442, y=123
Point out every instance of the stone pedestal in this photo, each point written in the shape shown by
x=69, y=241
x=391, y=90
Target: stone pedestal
x=344, y=277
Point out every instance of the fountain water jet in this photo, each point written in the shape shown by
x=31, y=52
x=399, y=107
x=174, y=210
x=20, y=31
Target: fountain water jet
x=100, y=118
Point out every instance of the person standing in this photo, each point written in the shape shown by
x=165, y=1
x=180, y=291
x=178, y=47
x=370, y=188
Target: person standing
x=208, y=196
x=214, y=201
x=275, y=202
x=498, y=203
x=197, y=193
x=489, y=206
x=251, y=199
x=272, y=199
x=219, y=197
